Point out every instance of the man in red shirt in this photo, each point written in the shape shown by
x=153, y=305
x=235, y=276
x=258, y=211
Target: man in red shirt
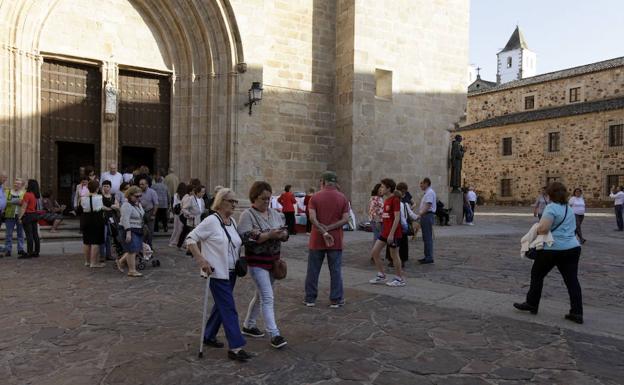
x=288, y=202
x=329, y=211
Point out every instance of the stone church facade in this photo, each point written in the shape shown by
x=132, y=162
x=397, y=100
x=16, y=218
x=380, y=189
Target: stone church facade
x=367, y=88
x=565, y=126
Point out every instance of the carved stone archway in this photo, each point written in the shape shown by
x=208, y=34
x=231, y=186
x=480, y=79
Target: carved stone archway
x=201, y=43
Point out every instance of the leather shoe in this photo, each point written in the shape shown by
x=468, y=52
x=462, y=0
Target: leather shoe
x=425, y=261
x=241, y=355
x=214, y=343
x=525, y=307
x=578, y=318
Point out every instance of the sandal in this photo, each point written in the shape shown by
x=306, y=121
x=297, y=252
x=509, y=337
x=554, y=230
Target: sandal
x=119, y=265
x=98, y=265
x=134, y=274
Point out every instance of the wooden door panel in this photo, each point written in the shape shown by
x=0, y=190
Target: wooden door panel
x=144, y=113
x=71, y=111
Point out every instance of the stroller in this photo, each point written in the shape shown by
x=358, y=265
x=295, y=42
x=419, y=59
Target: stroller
x=142, y=258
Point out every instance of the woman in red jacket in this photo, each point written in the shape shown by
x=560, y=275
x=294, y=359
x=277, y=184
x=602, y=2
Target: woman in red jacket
x=288, y=202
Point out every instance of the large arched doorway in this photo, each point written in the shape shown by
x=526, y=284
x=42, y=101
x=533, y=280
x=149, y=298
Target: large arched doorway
x=189, y=51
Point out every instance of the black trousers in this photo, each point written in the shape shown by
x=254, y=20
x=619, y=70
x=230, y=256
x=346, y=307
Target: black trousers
x=579, y=221
x=33, y=245
x=308, y=224
x=185, y=231
x=473, y=205
x=290, y=222
x=403, y=249
x=161, y=217
x=567, y=264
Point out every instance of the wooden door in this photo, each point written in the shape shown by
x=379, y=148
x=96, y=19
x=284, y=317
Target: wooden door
x=71, y=113
x=144, y=114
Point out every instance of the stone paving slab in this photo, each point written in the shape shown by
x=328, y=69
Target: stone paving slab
x=61, y=323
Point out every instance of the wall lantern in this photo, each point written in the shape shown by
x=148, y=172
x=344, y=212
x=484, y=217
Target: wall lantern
x=255, y=95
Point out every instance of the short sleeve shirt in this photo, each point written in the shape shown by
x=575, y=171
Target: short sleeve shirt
x=564, y=236
x=429, y=197
x=391, y=206
x=330, y=205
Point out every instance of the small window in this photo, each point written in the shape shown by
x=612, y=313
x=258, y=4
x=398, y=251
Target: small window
x=505, y=188
x=507, y=146
x=529, y=102
x=509, y=61
x=575, y=94
x=553, y=141
x=616, y=135
x=383, y=84
x=551, y=179
x=614, y=180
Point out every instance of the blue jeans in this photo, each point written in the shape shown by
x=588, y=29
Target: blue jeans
x=426, y=225
x=224, y=312
x=262, y=300
x=105, y=248
x=619, y=209
x=468, y=213
x=11, y=223
x=376, y=226
x=315, y=262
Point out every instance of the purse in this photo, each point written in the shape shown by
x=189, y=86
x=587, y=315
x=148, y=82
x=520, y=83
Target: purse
x=280, y=269
x=533, y=253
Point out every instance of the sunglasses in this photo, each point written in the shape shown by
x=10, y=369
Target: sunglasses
x=138, y=196
x=232, y=201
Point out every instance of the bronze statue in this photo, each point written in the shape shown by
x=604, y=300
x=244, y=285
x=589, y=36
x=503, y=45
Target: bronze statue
x=457, y=155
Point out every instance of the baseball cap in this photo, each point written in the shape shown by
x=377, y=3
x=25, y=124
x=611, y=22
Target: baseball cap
x=329, y=176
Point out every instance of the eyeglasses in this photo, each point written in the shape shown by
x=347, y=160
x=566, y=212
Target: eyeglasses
x=232, y=201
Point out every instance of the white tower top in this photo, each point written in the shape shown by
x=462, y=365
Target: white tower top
x=516, y=61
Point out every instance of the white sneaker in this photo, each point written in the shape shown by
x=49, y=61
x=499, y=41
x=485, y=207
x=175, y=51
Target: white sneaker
x=309, y=304
x=378, y=279
x=396, y=282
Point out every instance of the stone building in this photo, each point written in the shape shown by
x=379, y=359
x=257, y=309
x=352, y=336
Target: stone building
x=368, y=88
x=565, y=126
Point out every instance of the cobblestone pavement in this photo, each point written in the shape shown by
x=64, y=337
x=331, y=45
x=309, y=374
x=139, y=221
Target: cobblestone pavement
x=61, y=323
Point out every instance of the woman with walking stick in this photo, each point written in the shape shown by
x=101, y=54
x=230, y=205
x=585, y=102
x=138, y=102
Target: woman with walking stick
x=220, y=247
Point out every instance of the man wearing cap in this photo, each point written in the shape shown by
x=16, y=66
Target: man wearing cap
x=329, y=211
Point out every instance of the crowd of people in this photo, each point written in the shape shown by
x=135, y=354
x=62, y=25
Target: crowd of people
x=128, y=210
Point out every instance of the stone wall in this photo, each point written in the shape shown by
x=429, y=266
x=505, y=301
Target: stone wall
x=584, y=159
x=594, y=86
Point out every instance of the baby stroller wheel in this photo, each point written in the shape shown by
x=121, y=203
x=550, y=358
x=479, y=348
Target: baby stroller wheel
x=141, y=265
x=154, y=264
x=158, y=262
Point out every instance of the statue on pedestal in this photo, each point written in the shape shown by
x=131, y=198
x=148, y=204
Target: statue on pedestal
x=457, y=156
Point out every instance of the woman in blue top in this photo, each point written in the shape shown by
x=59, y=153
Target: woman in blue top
x=564, y=253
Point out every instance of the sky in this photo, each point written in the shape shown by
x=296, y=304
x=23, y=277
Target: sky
x=563, y=34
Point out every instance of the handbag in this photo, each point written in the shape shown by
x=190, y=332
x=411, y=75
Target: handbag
x=410, y=225
x=280, y=269
x=177, y=209
x=533, y=253
x=240, y=266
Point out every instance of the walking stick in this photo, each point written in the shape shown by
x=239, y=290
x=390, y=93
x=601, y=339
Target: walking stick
x=203, y=325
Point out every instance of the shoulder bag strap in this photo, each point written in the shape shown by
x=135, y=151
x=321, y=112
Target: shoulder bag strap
x=564, y=217
x=91, y=202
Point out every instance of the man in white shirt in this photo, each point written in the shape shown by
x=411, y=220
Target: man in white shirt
x=426, y=214
x=115, y=178
x=618, y=196
x=472, y=198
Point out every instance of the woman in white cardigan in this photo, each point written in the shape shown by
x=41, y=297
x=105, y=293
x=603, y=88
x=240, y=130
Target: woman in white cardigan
x=220, y=248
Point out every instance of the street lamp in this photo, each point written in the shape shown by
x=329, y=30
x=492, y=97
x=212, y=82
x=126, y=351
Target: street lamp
x=255, y=95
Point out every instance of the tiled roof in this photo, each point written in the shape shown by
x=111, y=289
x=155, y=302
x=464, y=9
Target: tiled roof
x=549, y=113
x=516, y=41
x=566, y=73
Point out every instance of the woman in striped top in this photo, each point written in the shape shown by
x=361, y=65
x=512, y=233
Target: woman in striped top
x=262, y=230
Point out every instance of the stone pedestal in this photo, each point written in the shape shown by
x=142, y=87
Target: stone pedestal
x=456, y=204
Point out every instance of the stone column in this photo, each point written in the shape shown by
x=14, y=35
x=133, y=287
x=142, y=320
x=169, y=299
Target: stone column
x=20, y=112
x=109, y=140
